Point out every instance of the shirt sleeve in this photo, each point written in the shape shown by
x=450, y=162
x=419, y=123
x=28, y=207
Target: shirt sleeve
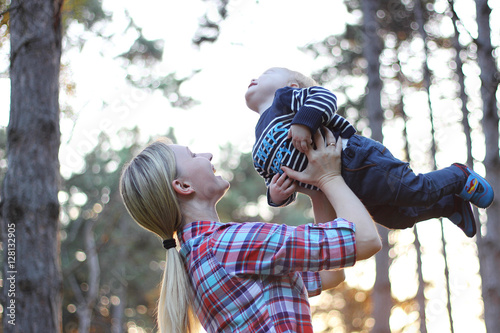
x=271, y=249
x=313, y=106
x=312, y=282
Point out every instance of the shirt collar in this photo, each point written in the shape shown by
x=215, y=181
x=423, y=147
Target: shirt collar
x=193, y=229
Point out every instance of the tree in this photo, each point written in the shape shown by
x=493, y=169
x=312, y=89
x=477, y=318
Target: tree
x=489, y=248
x=420, y=20
x=104, y=252
x=372, y=48
x=30, y=206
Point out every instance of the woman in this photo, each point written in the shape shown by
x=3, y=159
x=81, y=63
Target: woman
x=242, y=277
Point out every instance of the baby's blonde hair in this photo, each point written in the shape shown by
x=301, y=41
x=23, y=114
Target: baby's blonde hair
x=302, y=80
x=147, y=192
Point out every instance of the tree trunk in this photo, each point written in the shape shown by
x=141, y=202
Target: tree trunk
x=381, y=293
x=420, y=297
x=488, y=245
x=118, y=310
x=30, y=206
x=372, y=47
x=419, y=17
x=461, y=80
x=88, y=299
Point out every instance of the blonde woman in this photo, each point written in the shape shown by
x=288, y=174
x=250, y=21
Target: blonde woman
x=242, y=277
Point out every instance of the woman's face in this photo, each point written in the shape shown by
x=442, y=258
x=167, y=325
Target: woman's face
x=199, y=172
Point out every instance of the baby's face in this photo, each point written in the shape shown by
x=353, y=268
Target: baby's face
x=263, y=88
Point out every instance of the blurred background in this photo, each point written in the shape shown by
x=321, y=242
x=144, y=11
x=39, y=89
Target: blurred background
x=420, y=76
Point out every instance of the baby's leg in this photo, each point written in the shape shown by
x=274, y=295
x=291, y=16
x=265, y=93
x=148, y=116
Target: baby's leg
x=396, y=217
x=452, y=207
x=378, y=178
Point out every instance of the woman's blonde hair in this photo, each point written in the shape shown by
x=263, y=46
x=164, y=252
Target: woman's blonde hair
x=146, y=189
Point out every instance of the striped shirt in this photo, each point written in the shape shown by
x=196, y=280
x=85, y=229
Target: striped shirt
x=313, y=107
x=257, y=277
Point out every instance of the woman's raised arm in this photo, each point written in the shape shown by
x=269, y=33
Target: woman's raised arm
x=324, y=171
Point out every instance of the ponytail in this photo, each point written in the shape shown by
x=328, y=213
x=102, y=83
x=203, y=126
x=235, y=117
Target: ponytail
x=146, y=190
x=175, y=313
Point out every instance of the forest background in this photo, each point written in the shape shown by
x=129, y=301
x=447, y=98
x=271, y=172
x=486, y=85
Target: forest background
x=92, y=82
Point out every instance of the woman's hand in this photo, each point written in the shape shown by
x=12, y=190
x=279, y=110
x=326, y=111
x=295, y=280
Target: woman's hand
x=324, y=162
x=324, y=171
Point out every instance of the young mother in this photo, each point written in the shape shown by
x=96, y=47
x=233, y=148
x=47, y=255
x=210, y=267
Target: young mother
x=242, y=277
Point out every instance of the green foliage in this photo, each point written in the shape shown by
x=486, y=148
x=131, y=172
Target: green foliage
x=86, y=12
x=143, y=49
x=143, y=52
x=168, y=84
x=209, y=29
x=129, y=273
x=4, y=20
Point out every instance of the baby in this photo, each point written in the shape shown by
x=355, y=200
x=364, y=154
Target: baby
x=292, y=107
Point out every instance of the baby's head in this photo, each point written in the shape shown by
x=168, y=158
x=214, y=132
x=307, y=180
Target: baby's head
x=300, y=79
x=260, y=92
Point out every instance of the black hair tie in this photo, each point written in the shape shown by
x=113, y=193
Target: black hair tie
x=169, y=243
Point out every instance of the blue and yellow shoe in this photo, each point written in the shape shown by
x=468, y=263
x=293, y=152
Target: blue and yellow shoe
x=463, y=217
x=477, y=190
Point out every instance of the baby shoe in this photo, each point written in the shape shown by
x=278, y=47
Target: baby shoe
x=463, y=217
x=477, y=190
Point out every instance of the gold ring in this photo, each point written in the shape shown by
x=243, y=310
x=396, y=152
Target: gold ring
x=331, y=144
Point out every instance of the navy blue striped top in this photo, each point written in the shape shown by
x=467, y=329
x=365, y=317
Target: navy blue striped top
x=312, y=107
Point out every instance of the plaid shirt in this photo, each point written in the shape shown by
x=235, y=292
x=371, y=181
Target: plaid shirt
x=256, y=277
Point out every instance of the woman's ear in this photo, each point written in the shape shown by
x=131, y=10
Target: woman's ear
x=181, y=187
x=293, y=85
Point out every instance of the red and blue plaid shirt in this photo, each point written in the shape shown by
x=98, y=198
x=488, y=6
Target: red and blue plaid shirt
x=257, y=277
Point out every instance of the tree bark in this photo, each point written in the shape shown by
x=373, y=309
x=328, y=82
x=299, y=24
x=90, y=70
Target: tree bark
x=420, y=297
x=461, y=80
x=419, y=17
x=372, y=47
x=86, y=300
x=488, y=245
x=30, y=206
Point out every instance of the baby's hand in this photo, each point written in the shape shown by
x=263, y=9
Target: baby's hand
x=281, y=188
x=301, y=137
x=324, y=163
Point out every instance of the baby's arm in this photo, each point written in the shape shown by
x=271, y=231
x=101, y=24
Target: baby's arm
x=281, y=188
x=301, y=137
x=313, y=107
